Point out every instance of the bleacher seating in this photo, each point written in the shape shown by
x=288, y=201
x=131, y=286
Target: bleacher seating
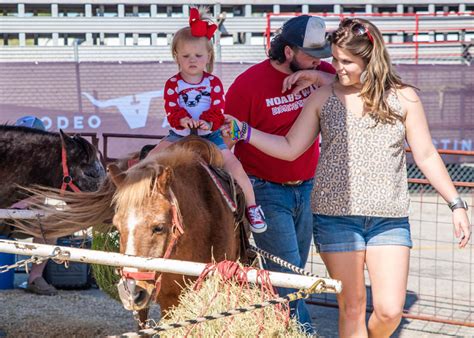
x=422, y=30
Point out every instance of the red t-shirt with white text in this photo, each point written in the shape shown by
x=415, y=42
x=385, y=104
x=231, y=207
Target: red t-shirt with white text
x=256, y=97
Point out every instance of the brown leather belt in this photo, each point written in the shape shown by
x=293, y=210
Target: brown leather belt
x=292, y=183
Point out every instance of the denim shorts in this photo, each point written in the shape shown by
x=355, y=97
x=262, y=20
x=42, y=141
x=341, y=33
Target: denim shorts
x=355, y=233
x=214, y=137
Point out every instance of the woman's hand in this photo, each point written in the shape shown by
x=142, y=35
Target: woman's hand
x=305, y=78
x=462, y=227
x=227, y=129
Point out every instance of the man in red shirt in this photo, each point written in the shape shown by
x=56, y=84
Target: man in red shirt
x=282, y=188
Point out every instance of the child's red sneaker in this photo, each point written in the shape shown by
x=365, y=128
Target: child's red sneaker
x=256, y=219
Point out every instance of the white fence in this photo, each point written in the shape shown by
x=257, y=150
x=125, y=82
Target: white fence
x=278, y=279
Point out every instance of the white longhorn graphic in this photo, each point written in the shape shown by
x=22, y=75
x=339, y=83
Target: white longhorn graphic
x=134, y=108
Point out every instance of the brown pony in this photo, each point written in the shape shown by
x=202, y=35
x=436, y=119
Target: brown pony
x=149, y=203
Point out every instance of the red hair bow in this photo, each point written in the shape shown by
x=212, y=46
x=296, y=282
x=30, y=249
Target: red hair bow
x=200, y=27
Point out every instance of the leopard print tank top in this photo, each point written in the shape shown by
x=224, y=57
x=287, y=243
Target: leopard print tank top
x=362, y=166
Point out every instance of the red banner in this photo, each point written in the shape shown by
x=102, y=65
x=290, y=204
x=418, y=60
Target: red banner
x=106, y=97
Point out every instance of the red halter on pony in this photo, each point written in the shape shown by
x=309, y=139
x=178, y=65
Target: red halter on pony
x=176, y=231
x=67, y=179
x=36, y=123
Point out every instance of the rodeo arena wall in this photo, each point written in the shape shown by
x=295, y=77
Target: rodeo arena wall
x=119, y=106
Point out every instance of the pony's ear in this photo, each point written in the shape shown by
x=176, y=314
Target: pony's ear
x=63, y=134
x=163, y=179
x=116, y=175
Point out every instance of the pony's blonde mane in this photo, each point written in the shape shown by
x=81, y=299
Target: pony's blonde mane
x=84, y=209
x=138, y=185
x=88, y=209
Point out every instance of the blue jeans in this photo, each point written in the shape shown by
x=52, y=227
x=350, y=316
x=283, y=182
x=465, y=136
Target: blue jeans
x=214, y=137
x=288, y=214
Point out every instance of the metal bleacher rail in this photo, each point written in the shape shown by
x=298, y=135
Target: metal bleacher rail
x=396, y=27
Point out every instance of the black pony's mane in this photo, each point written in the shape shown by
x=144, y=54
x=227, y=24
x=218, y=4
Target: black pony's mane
x=79, y=141
x=26, y=130
x=90, y=150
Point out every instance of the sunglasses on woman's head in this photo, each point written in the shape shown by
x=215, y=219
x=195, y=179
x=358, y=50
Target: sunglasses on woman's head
x=357, y=28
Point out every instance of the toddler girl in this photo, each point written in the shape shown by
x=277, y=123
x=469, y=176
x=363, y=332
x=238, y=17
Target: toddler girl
x=194, y=98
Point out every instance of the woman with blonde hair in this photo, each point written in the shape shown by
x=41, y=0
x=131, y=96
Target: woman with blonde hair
x=361, y=193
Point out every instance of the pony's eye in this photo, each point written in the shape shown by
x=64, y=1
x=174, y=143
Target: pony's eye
x=158, y=229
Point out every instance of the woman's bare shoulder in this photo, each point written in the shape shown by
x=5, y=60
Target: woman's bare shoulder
x=407, y=94
x=321, y=94
x=409, y=100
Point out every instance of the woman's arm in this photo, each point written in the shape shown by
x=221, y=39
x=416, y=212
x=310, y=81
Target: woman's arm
x=301, y=135
x=428, y=160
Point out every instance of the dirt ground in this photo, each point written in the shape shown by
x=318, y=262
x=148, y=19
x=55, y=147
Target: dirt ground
x=79, y=313
x=91, y=313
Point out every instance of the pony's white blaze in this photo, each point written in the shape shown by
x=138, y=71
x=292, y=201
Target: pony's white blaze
x=132, y=222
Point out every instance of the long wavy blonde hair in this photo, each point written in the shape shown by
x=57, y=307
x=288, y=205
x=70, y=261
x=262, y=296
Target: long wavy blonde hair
x=362, y=38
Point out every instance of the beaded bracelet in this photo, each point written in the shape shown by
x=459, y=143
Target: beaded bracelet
x=243, y=132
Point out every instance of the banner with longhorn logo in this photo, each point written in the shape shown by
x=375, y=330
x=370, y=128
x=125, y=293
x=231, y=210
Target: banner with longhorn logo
x=111, y=97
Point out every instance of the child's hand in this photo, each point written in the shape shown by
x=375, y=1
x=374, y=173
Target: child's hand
x=204, y=125
x=187, y=122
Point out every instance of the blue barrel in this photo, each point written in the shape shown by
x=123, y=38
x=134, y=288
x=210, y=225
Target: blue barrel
x=6, y=278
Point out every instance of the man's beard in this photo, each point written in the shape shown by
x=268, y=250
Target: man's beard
x=295, y=66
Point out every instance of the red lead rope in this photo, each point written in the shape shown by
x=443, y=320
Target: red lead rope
x=67, y=179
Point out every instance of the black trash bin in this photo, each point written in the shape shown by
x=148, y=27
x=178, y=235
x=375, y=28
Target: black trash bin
x=76, y=275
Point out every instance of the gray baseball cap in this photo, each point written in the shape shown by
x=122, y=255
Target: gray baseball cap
x=309, y=34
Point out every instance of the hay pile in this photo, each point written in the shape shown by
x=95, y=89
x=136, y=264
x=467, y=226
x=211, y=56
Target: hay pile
x=215, y=296
x=105, y=275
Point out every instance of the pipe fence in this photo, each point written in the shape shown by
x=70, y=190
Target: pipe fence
x=441, y=276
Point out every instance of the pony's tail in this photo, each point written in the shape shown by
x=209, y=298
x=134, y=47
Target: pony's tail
x=78, y=211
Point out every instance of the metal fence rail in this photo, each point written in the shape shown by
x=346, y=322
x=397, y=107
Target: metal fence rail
x=411, y=38
x=441, y=276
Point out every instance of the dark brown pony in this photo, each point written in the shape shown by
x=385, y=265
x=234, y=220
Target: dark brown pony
x=147, y=203
x=33, y=157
